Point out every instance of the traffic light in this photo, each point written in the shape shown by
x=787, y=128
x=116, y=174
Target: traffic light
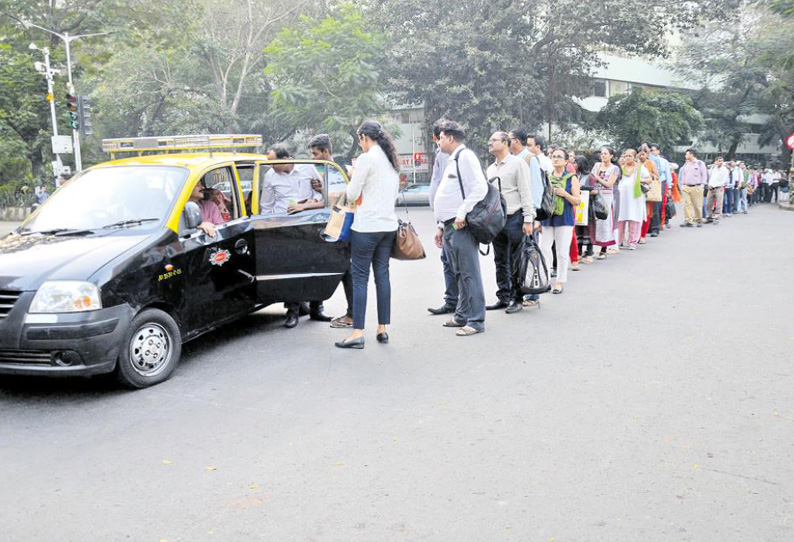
x=72, y=114
x=84, y=114
x=417, y=159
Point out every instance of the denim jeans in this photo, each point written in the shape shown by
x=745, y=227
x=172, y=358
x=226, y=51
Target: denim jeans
x=371, y=249
x=507, y=253
x=464, y=256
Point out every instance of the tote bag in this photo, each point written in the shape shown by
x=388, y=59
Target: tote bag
x=341, y=222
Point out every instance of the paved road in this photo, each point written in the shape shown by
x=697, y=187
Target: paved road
x=653, y=401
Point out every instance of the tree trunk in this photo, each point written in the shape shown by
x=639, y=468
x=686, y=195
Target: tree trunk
x=353, y=148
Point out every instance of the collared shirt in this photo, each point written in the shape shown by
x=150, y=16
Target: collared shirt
x=693, y=173
x=448, y=202
x=279, y=188
x=767, y=178
x=513, y=172
x=718, y=176
x=439, y=164
x=665, y=173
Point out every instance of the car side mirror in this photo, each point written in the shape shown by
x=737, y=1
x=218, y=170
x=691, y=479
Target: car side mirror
x=192, y=215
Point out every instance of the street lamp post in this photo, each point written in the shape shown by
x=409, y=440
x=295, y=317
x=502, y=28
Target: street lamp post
x=67, y=39
x=48, y=73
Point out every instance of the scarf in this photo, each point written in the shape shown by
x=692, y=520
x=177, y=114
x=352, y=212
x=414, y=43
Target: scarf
x=638, y=171
x=559, y=182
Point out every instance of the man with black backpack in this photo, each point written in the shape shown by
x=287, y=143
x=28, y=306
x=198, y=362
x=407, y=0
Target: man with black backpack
x=462, y=186
x=511, y=174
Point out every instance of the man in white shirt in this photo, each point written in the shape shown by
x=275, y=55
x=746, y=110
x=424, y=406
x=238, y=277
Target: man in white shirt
x=513, y=182
x=539, y=167
x=287, y=188
x=462, y=186
x=719, y=176
x=450, y=284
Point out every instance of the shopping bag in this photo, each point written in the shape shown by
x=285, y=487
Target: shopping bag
x=341, y=221
x=583, y=210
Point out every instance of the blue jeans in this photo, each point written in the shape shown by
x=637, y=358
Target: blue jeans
x=371, y=249
x=464, y=256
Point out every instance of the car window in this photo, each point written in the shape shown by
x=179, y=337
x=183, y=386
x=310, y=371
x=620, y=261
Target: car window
x=220, y=182
x=107, y=195
x=246, y=174
x=282, y=185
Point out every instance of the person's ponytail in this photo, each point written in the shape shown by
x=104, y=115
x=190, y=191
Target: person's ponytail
x=373, y=130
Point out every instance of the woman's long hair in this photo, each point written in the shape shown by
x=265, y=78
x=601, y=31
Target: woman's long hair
x=373, y=130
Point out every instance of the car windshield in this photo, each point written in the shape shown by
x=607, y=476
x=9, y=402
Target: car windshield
x=110, y=197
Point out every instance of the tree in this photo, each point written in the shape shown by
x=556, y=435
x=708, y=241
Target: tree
x=750, y=73
x=665, y=118
x=325, y=75
x=493, y=65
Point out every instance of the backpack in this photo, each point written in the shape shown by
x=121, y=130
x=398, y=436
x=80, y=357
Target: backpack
x=532, y=268
x=488, y=216
x=546, y=208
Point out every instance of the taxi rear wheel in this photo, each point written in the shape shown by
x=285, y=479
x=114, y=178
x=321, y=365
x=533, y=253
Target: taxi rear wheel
x=151, y=351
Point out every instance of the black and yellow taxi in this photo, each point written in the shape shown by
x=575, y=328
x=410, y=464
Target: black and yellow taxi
x=112, y=273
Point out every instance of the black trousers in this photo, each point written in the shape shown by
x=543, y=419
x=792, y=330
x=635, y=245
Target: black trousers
x=507, y=252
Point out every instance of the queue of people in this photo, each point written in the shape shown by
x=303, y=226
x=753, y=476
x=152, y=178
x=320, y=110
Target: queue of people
x=637, y=191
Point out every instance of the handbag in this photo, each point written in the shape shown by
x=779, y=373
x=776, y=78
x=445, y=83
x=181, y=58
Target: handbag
x=340, y=223
x=654, y=192
x=670, y=209
x=599, y=206
x=407, y=245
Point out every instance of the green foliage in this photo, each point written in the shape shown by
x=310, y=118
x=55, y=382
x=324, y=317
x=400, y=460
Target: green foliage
x=665, y=118
x=325, y=74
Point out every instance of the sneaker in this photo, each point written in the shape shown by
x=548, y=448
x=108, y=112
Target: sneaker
x=700, y=224
x=687, y=225
x=632, y=247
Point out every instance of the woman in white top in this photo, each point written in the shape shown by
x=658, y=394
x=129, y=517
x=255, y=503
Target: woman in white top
x=375, y=184
x=632, y=211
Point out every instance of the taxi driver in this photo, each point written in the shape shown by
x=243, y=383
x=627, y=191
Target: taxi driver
x=210, y=212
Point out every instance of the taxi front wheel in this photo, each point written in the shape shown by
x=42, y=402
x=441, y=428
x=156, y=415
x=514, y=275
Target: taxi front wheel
x=151, y=351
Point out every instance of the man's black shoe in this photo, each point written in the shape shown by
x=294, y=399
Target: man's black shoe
x=655, y=234
x=496, y=306
x=444, y=309
x=514, y=307
x=292, y=320
x=700, y=224
x=687, y=225
x=319, y=316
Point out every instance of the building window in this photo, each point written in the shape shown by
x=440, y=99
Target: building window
x=618, y=87
x=600, y=89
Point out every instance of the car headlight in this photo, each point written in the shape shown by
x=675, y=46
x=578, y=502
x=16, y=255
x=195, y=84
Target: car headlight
x=66, y=296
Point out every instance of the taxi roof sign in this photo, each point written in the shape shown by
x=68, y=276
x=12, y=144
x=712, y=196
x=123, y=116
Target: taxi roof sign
x=207, y=142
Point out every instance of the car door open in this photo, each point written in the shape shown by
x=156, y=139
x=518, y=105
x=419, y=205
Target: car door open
x=293, y=262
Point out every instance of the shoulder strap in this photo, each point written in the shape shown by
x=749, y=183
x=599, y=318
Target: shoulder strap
x=460, y=181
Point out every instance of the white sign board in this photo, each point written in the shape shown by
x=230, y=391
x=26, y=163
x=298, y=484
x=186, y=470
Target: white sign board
x=62, y=144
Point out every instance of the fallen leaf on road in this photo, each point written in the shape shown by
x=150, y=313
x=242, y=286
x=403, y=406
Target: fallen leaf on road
x=695, y=467
x=167, y=462
x=254, y=486
x=208, y=469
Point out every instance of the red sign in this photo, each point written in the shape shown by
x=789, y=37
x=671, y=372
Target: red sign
x=790, y=142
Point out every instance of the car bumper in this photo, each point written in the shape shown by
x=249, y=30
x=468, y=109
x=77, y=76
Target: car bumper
x=79, y=344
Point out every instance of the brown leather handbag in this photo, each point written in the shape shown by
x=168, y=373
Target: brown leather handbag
x=407, y=245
